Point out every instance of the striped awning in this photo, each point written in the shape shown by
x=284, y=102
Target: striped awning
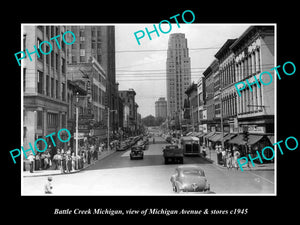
x=217, y=137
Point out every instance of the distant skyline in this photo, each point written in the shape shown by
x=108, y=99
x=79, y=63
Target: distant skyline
x=143, y=67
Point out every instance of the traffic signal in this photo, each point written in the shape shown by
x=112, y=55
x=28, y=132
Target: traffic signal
x=246, y=136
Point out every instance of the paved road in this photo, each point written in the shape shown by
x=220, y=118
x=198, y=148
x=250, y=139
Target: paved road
x=118, y=175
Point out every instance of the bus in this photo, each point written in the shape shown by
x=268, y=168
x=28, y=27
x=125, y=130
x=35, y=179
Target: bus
x=190, y=145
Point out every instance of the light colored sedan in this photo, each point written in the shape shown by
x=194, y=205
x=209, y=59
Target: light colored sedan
x=189, y=178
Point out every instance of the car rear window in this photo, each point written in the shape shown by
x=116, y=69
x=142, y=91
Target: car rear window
x=193, y=172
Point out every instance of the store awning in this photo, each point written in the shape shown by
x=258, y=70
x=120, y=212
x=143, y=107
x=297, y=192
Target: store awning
x=200, y=135
x=253, y=139
x=217, y=137
x=209, y=134
x=271, y=138
x=229, y=137
x=237, y=140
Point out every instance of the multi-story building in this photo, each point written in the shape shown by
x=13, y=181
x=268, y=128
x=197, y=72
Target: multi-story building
x=161, y=108
x=45, y=104
x=254, y=53
x=178, y=73
x=128, y=97
x=201, y=102
x=76, y=93
x=209, y=108
x=98, y=42
x=228, y=92
x=192, y=109
x=93, y=120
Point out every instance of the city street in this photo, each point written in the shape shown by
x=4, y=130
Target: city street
x=118, y=175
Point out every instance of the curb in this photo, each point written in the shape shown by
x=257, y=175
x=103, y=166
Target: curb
x=75, y=171
x=256, y=168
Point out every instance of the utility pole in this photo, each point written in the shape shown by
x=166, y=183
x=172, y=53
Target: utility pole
x=108, y=134
x=76, y=142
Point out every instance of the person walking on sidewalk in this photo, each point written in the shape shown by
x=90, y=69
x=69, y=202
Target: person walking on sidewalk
x=63, y=163
x=31, y=161
x=236, y=155
x=228, y=159
x=73, y=160
x=48, y=186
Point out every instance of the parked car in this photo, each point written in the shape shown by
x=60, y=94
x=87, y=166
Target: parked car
x=122, y=147
x=189, y=178
x=136, y=152
x=173, y=153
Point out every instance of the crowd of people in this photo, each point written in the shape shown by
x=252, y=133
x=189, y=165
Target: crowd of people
x=65, y=159
x=229, y=157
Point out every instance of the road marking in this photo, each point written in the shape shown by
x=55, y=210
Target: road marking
x=261, y=177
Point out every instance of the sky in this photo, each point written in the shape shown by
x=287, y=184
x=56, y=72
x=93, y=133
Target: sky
x=143, y=67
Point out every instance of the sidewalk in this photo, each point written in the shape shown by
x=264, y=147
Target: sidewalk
x=38, y=173
x=211, y=156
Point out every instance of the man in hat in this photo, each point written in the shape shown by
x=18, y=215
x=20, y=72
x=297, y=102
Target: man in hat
x=48, y=186
x=31, y=161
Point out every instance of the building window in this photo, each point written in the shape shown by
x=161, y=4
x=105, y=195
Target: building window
x=52, y=120
x=39, y=41
x=52, y=59
x=40, y=82
x=57, y=89
x=74, y=61
x=39, y=117
x=24, y=79
x=52, y=87
x=47, y=56
x=63, y=65
x=57, y=61
x=63, y=91
x=47, y=85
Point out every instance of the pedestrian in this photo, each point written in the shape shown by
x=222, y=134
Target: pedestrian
x=68, y=162
x=48, y=186
x=204, y=152
x=228, y=159
x=42, y=157
x=31, y=161
x=73, y=160
x=223, y=156
x=63, y=163
x=37, y=161
x=88, y=156
x=236, y=155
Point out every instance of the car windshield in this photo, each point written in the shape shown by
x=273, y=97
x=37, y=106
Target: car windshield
x=193, y=172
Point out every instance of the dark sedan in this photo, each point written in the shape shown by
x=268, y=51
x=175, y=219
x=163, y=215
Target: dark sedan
x=136, y=153
x=189, y=178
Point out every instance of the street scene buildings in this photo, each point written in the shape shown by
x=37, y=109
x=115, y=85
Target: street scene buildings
x=81, y=87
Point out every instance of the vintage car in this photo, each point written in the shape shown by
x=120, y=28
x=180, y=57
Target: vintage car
x=172, y=153
x=122, y=146
x=136, y=152
x=189, y=178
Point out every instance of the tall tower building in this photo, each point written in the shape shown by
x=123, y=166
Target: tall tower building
x=161, y=108
x=178, y=73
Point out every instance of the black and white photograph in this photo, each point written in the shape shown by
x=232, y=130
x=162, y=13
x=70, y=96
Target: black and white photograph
x=167, y=114
x=144, y=109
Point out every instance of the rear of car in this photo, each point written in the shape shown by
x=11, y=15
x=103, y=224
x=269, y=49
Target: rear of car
x=173, y=153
